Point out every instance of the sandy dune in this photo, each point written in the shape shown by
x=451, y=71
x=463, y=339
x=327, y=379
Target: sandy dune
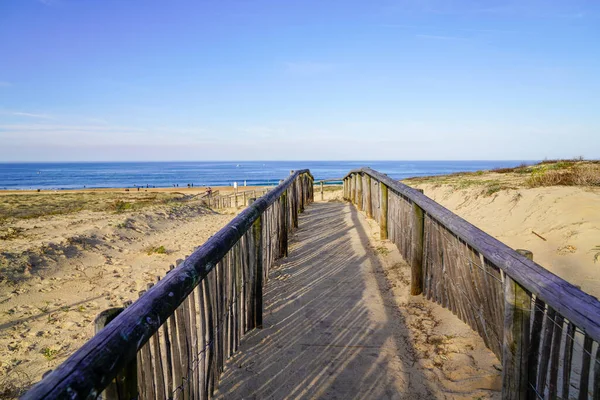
x=568, y=218
x=59, y=272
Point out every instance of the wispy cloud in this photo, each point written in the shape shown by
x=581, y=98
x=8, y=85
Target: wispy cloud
x=5, y=84
x=27, y=114
x=308, y=68
x=97, y=134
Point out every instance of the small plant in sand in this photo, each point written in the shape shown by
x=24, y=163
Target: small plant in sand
x=382, y=250
x=597, y=255
x=121, y=206
x=49, y=353
x=156, y=250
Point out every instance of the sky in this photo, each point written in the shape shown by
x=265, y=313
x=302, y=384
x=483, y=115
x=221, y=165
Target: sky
x=136, y=80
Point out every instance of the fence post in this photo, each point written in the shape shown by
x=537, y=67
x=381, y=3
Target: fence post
x=416, y=275
x=322, y=198
x=294, y=205
x=359, y=193
x=283, y=235
x=353, y=193
x=300, y=179
x=383, y=231
x=369, y=205
x=124, y=386
x=515, y=357
x=258, y=272
x=345, y=188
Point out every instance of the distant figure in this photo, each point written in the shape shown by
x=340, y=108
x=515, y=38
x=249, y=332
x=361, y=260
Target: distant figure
x=138, y=188
x=192, y=185
x=208, y=191
x=188, y=185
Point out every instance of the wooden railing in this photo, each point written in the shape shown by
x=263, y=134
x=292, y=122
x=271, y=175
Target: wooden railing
x=233, y=200
x=173, y=341
x=545, y=330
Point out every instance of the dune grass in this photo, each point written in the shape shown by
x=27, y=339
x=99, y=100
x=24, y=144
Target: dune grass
x=34, y=205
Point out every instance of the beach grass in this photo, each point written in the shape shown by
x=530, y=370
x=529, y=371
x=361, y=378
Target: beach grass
x=35, y=205
x=572, y=172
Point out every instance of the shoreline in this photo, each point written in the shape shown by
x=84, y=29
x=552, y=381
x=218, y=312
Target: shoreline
x=195, y=189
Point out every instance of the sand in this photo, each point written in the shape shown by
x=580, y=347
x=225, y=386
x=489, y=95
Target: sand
x=567, y=218
x=59, y=271
x=70, y=255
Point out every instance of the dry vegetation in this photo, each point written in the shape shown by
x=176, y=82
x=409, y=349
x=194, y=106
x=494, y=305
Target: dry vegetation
x=576, y=172
x=34, y=205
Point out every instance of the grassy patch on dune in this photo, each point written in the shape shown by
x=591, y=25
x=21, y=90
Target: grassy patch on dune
x=34, y=205
x=576, y=172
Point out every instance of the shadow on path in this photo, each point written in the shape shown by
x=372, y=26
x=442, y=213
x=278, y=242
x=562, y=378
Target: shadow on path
x=329, y=328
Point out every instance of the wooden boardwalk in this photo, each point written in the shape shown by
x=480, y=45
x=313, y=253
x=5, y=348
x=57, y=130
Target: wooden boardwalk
x=344, y=317
x=331, y=329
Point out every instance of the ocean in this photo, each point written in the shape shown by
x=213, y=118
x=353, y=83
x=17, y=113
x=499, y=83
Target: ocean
x=78, y=175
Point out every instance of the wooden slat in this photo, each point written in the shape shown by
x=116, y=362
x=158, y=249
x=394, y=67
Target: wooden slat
x=567, y=360
x=554, y=357
x=545, y=350
x=596, y=394
x=193, y=332
x=535, y=341
x=584, y=380
x=159, y=377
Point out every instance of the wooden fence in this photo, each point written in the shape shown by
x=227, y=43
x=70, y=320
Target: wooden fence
x=233, y=200
x=545, y=330
x=173, y=341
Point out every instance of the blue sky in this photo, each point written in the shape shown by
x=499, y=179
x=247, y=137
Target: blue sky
x=271, y=80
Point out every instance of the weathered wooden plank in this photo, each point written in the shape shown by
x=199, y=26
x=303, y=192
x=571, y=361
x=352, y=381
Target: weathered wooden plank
x=125, y=384
x=584, y=380
x=157, y=361
x=545, y=350
x=168, y=355
x=256, y=254
x=194, y=362
x=539, y=310
x=146, y=370
x=416, y=277
x=554, y=360
x=383, y=220
x=596, y=382
x=567, y=360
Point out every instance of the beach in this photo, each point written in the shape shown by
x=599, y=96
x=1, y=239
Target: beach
x=66, y=256
x=560, y=224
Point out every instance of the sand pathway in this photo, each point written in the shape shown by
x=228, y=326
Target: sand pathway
x=332, y=328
